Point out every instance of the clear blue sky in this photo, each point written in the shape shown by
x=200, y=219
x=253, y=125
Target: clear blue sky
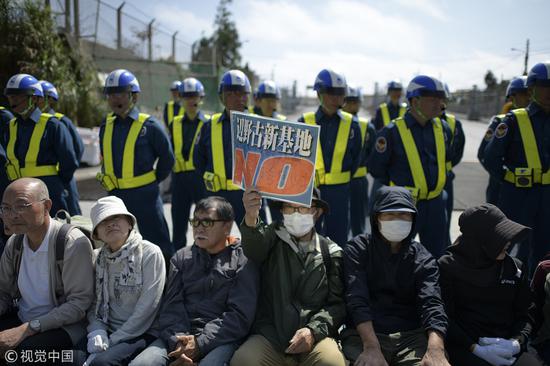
x=370, y=41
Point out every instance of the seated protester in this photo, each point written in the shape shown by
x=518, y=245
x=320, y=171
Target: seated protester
x=52, y=285
x=301, y=303
x=541, y=289
x=129, y=279
x=210, y=300
x=395, y=311
x=486, y=292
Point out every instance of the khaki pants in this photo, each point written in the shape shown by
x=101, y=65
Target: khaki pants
x=399, y=349
x=258, y=351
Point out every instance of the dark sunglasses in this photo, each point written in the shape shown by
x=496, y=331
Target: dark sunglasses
x=204, y=222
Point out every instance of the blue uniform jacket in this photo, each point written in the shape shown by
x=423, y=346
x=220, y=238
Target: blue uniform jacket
x=177, y=107
x=189, y=128
x=152, y=144
x=506, y=147
x=56, y=146
x=495, y=121
x=388, y=160
x=77, y=140
x=202, y=156
x=393, y=109
x=370, y=137
x=329, y=130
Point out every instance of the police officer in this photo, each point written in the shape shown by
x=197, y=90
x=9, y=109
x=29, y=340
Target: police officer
x=267, y=98
x=131, y=143
x=519, y=153
x=518, y=95
x=37, y=144
x=456, y=152
x=392, y=108
x=213, y=155
x=173, y=107
x=411, y=151
x=187, y=185
x=48, y=104
x=359, y=202
x=338, y=152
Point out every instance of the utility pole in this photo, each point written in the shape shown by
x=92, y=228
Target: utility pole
x=150, y=39
x=526, y=57
x=119, y=26
x=174, y=46
x=68, y=16
x=76, y=20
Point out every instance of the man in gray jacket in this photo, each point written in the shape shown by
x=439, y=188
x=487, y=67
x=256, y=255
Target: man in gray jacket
x=210, y=302
x=44, y=295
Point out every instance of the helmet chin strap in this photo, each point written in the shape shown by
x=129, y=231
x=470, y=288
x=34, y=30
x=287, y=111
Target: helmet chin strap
x=419, y=112
x=30, y=106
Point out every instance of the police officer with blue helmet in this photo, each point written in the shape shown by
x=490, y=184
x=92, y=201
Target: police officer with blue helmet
x=359, y=202
x=36, y=143
x=519, y=154
x=131, y=143
x=173, y=107
x=47, y=104
x=187, y=184
x=338, y=152
x=412, y=152
x=268, y=96
x=518, y=95
x=458, y=140
x=213, y=155
x=391, y=108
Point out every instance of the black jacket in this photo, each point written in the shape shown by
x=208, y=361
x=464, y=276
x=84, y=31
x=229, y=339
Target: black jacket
x=397, y=292
x=210, y=296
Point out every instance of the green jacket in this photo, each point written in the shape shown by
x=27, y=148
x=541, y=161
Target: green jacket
x=294, y=292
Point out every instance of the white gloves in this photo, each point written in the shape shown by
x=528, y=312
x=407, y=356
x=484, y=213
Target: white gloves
x=494, y=354
x=511, y=344
x=98, y=341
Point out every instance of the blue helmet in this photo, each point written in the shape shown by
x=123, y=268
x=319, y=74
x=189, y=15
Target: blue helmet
x=539, y=74
x=268, y=89
x=394, y=85
x=234, y=80
x=175, y=85
x=353, y=93
x=330, y=82
x=120, y=81
x=23, y=84
x=49, y=90
x=516, y=85
x=191, y=87
x=425, y=86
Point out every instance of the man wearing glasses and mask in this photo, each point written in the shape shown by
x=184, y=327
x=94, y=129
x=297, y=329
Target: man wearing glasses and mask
x=301, y=304
x=210, y=300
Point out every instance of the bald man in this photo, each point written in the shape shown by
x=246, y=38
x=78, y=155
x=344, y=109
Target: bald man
x=52, y=286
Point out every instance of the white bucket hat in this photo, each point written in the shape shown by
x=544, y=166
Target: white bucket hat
x=106, y=207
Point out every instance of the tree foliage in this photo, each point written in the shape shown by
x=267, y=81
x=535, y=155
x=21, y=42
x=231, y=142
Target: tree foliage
x=30, y=44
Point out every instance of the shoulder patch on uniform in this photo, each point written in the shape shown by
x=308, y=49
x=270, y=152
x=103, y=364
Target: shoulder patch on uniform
x=143, y=131
x=381, y=144
x=488, y=134
x=501, y=130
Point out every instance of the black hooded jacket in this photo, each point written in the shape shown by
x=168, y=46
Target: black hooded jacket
x=485, y=297
x=397, y=292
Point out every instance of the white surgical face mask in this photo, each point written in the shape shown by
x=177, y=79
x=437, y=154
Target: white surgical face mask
x=395, y=230
x=298, y=224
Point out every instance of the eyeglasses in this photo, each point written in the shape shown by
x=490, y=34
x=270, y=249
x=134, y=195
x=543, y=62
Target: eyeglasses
x=18, y=209
x=288, y=210
x=204, y=222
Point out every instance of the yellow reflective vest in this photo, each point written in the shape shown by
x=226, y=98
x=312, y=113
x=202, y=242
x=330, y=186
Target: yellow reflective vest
x=386, y=113
x=170, y=112
x=217, y=180
x=31, y=168
x=525, y=177
x=451, y=121
x=128, y=180
x=420, y=188
x=362, y=170
x=182, y=164
x=335, y=175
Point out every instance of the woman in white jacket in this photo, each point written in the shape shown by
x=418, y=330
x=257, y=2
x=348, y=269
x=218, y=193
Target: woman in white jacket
x=129, y=280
